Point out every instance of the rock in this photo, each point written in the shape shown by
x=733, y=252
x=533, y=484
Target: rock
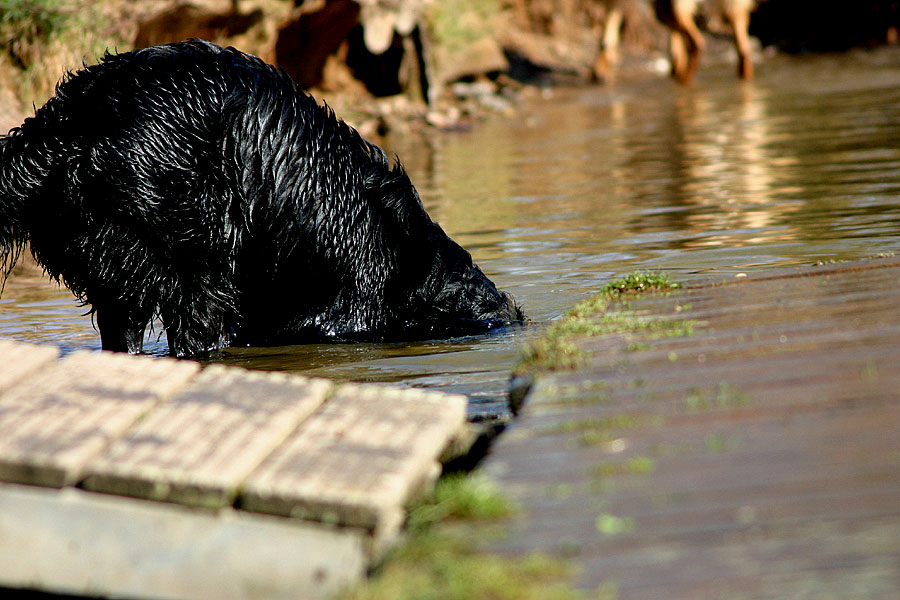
x=305, y=43
x=477, y=58
x=184, y=21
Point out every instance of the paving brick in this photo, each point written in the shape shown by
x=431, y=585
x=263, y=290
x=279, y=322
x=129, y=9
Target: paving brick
x=20, y=360
x=360, y=459
x=198, y=447
x=53, y=424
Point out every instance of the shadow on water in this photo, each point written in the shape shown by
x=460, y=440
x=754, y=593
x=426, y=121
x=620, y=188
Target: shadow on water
x=798, y=166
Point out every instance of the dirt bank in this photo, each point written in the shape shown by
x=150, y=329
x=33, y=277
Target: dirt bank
x=389, y=63
x=380, y=64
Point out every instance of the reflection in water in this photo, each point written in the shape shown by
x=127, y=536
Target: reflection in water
x=800, y=165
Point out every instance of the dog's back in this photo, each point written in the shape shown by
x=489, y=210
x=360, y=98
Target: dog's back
x=92, y=181
x=127, y=184
x=199, y=184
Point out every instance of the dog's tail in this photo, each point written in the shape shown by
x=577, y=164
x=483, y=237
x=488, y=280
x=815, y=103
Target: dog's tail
x=13, y=232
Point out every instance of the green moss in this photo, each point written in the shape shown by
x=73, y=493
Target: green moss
x=609, y=525
x=599, y=315
x=591, y=432
x=717, y=444
x=723, y=396
x=634, y=465
x=586, y=393
x=640, y=281
x=712, y=444
x=443, y=557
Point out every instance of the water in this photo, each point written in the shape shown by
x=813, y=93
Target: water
x=799, y=166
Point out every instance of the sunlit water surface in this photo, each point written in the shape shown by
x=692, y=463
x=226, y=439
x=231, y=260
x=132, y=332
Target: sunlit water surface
x=799, y=166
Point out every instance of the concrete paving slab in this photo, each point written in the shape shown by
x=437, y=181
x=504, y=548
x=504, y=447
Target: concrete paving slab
x=21, y=360
x=198, y=447
x=131, y=431
x=52, y=425
x=82, y=543
x=360, y=459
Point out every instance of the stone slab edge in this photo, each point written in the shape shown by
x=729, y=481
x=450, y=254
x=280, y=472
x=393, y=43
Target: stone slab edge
x=75, y=542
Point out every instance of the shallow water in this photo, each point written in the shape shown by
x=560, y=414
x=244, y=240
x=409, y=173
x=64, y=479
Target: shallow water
x=799, y=166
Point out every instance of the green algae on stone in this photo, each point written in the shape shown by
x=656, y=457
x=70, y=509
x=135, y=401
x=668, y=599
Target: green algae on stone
x=724, y=396
x=610, y=525
x=597, y=430
x=603, y=314
x=632, y=466
x=640, y=281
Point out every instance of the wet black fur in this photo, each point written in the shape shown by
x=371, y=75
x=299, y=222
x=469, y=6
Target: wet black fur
x=198, y=184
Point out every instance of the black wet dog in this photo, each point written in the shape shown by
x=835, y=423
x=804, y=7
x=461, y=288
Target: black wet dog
x=199, y=184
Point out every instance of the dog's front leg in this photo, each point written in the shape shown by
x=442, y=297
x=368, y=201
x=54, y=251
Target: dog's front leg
x=119, y=331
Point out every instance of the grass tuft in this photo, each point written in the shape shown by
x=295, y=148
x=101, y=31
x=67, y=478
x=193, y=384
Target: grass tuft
x=41, y=39
x=443, y=557
x=460, y=498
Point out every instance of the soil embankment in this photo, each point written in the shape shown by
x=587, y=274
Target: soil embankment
x=383, y=64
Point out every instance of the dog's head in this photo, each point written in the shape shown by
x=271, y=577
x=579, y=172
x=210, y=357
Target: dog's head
x=441, y=291
x=458, y=298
